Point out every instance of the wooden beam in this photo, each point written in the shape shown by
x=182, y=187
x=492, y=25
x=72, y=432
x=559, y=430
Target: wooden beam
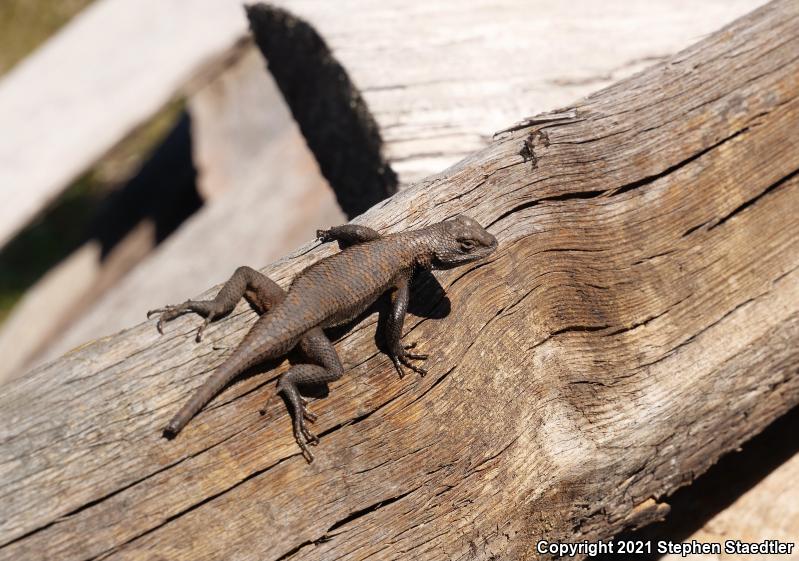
x=640, y=319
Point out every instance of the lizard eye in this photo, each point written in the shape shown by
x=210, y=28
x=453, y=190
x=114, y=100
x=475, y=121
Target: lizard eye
x=467, y=245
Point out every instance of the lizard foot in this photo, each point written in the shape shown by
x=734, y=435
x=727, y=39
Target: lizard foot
x=402, y=358
x=309, y=416
x=304, y=437
x=170, y=312
x=298, y=408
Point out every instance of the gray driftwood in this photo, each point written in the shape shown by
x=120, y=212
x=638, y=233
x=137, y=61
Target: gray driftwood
x=640, y=319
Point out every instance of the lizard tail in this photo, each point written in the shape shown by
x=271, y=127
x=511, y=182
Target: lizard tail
x=218, y=380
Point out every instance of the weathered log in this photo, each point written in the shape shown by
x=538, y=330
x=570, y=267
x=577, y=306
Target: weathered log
x=640, y=319
x=437, y=80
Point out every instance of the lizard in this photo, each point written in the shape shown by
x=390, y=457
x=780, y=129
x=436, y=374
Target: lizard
x=329, y=292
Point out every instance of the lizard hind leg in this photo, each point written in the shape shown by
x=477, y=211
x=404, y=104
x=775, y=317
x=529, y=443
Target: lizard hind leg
x=318, y=348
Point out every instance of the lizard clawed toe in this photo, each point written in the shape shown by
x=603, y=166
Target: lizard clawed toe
x=418, y=369
x=308, y=415
x=167, y=313
x=304, y=437
x=160, y=325
x=306, y=453
x=310, y=437
x=398, y=366
x=401, y=360
x=200, y=330
x=170, y=312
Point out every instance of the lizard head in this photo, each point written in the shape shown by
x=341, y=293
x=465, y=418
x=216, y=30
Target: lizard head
x=461, y=240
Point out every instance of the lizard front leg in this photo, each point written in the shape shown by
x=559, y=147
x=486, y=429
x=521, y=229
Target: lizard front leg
x=260, y=291
x=399, y=307
x=348, y=234
x=318, y=348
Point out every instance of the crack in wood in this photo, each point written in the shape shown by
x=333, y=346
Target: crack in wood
x=577, y=195
x=745, y=205
x=328, y=535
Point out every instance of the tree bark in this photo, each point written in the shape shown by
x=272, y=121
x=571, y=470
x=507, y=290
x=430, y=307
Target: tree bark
x=640, y=319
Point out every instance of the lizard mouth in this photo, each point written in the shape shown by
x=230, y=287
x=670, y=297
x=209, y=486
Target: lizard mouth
x=456, y=261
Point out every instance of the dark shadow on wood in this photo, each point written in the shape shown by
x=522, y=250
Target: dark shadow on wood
x=332, y=115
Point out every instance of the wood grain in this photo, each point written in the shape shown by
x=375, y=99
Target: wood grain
x=640, y=319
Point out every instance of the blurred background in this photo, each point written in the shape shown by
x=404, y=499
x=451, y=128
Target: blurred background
x=146, y=152
x=108, y=159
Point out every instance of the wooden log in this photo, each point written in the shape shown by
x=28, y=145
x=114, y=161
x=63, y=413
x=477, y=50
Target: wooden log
x=439, y=79
x=640, y=319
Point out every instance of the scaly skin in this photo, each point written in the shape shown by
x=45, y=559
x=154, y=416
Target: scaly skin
x=330, y=292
